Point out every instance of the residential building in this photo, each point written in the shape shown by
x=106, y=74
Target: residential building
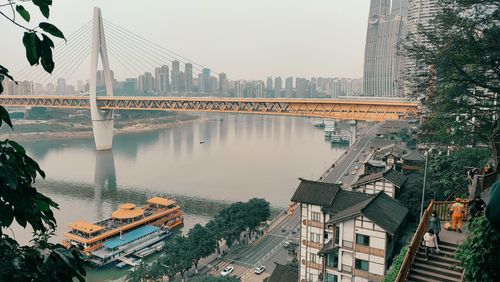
x=188, y=77
x=269, y=86
x=61, y=86
x=289, y=87
x=413, y=161
x=301, y=88
x=277, y=87
x=223, y=84
x=346, y=236
x=389, y=181
x=176, y=77
x=205, y=80
x=145, y=83
x=162, y=79
x=383, y=66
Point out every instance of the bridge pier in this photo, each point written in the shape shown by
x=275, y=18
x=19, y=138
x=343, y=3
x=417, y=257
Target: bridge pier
x=102, y=121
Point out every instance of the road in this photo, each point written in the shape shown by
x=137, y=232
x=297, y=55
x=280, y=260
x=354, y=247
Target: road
x=270, y=249
x=348, y=161
x=265, y=252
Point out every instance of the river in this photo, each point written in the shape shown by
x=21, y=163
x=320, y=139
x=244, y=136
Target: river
x=205, y=164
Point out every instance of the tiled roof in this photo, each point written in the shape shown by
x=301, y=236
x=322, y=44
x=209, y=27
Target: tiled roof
x=396, y=177
x=414, y=156
x=379, y=208
x=315, y=192
x=284, y=273
x=344, y=199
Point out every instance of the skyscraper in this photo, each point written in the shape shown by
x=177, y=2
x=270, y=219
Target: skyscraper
x=289, y=87
x=222, y=84
x=205, y=80
x=188, y=73
x=383, y=67
x=277, y=87
x=162, y=79
x=269, y=86
x=61, y=86
x=175, y=76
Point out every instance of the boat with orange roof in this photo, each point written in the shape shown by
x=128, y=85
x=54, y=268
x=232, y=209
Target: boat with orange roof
x=130, y=229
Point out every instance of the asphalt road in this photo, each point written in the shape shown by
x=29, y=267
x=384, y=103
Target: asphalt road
x=348, y=162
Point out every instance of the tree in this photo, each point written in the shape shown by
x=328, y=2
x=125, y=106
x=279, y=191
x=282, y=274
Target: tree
x=462, y=54
x=202, y=243
x=480, y=252
x=19, y=200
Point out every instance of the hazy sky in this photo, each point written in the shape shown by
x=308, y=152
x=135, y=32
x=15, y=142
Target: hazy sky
x=247, y=39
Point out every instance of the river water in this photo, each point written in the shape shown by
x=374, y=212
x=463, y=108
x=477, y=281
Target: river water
x=205, y=164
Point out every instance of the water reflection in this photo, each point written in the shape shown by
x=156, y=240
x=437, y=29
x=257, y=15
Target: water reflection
x=105, y=177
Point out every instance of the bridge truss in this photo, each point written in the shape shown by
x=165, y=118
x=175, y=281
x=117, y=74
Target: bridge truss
x=335, y=109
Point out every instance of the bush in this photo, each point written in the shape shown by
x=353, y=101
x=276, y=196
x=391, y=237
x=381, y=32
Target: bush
x=392, y=274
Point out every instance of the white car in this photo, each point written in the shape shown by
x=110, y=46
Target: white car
x=226, y=271
x=259, y=269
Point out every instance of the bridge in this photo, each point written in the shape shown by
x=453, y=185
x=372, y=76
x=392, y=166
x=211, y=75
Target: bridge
x=324, y=108
x=128, y=48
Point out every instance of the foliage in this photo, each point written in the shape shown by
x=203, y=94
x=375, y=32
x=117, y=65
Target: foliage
x=480, y=252
x=392, y=274
x=211, y=278
x=19, y=200
x=181, y=253
x=411, y=196
x=458, y=66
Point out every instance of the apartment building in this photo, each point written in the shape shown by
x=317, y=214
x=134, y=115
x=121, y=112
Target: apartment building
x=345, y=236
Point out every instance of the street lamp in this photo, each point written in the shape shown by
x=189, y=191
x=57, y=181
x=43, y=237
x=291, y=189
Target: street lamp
x=423, y=188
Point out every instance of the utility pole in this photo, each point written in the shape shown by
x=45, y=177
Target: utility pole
x=423, y=188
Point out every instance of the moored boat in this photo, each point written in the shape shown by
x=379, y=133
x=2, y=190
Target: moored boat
x=128, y=230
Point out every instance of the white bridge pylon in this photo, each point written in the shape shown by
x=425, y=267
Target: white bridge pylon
x=102, y=121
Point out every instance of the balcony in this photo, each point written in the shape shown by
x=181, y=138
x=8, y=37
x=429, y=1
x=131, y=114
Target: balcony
x=313, y=265
x=313, y=223
x=369, y=250
x=367, y=275
x=311, y=244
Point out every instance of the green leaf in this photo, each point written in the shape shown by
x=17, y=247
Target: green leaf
x=49, y=41
x=25, y=14
x=16, y=146
x=5, y=72
x=52, y=29
x=4, y=115
x=44, y=6
x=30, y=44
x=45, y=48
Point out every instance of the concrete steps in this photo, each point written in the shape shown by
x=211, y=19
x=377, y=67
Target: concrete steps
x=442, y=267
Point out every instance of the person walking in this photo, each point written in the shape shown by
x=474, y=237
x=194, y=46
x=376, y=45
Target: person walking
x=457, y=211
x=435, y=224
x=430, y=242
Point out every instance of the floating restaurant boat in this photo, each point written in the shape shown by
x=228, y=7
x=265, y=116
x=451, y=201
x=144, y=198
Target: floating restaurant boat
x=130, y=229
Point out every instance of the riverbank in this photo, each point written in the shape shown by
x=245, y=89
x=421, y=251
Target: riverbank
x=57, y=129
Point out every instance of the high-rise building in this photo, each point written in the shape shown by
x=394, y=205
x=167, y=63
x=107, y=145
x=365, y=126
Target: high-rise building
x=130, y=86
x=205, y=80
x=277, y=87
x=269, y=86
x=302, y=88
x=61, y=86
x=383, y=65
x=145, y=83
x=161, y=79
x=238, y=89
x=175, y=76
x=289, y=87
x=188, y=81
x=222, y=84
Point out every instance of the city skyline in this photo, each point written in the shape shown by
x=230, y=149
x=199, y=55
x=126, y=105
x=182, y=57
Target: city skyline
x=248, y=48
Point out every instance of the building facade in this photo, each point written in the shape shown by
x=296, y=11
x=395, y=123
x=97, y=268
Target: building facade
x=345, y=236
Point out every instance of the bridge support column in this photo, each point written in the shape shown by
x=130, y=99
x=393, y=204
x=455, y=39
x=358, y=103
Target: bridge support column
x=102, y=121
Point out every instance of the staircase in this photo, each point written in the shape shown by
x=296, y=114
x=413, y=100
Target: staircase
x=441, y=268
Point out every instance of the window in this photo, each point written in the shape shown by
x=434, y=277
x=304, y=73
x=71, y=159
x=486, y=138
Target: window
x=332, y=259
x=312, y=257
x=311, y=277
x=361, y=264
x=315, y=216
x=314, y=237
x=331, y=277
x=362, y=239
x=337, y=235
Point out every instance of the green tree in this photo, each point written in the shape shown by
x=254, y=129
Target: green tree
x=211, y=278
x=480, y=252
x=202, y=243
x=462, y=53
x=19, y=200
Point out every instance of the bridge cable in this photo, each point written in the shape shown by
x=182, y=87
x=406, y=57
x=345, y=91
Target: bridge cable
x=129, y=55
x=124, y=62
x=155, y=45
x=23, y=71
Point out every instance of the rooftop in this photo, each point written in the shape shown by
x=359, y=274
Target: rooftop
x=130, y=236
x=315, y=192
x=161, y=201
x=395, y=177
x=414, y=156
x=85, y=226
x=380, y=208
x=127, y=210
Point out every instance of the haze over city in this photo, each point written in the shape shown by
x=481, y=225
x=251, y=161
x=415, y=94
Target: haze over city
x=245, y=39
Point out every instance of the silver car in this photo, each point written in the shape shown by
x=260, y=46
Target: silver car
x=227, y=270
x=259, y=269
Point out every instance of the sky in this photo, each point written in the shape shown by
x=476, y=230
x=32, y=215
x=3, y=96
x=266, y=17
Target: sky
x=246, y=39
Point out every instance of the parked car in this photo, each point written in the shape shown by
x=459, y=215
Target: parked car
x=227, y=270
x=259, y=269
x=356, y=167
x=287, y=243
x=346, y=173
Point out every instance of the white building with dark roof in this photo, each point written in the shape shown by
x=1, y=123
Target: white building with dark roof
x=345, y=236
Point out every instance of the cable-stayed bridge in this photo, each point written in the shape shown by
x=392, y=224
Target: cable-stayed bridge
x=135, y=54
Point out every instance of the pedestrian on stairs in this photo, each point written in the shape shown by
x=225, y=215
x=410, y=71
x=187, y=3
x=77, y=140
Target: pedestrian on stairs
x=435, y=224
x=430, y=241
x=457, y=211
